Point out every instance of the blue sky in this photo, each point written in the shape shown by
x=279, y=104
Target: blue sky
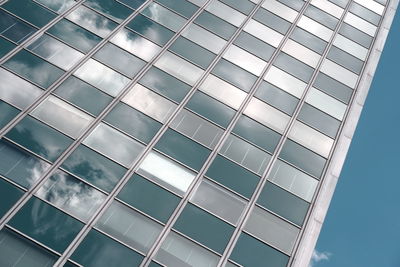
x=362, y=228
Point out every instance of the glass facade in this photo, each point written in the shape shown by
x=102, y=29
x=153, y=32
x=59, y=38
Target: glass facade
x=172, y=132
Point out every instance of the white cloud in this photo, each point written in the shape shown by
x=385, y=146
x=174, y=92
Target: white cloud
x=319, y=256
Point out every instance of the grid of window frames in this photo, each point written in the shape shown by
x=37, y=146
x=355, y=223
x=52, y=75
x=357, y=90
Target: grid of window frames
x=170, y=132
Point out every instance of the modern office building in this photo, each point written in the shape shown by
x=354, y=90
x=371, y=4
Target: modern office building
x=177, y=132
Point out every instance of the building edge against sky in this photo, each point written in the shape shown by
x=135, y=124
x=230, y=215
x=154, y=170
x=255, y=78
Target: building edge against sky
x=314, y=222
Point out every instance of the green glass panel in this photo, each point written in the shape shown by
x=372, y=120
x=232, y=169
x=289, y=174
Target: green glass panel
x=9, y=194
x=332, y=87
x=7, y=113
x=244, y=6
x=183, y=149
x=321, y=17
x=252, y=252
x=94, y=168
x=98, y=250
x=277, y=97
x=216, y=25
x=120, y=60
x=272, y=21
x=149, y=198
x=234, y=74
x=5, y=46
x=111, y=8
x=283, y=203
x=30, y=11
x=150, y=29
x=294, y=67
x=57, y=5
x=254, y=45
x=83, y=95
x=17, y=251
x=34, y=68
x=233, y=176
x=309, y=40
x=257, y=133
x=14, y=29
x=74, y=35
x=165, y=84
x=211, y=109
x=133, y=3
x=46, y=224
x=39, y=138
x=133, y=122
x=319, y=120
x=204, y=227
x=182, y=7
x=19, y=165
x=192, y=52
x=303, y=158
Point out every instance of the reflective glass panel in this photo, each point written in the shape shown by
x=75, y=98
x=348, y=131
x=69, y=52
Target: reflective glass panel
x=111, y=8
x=14, y=29
x=9, y=194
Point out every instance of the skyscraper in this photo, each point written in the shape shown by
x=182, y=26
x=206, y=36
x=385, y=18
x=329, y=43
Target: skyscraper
x=177, y=132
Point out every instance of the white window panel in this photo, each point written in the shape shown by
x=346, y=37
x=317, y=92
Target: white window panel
x=271, y=229
x=315, y=28
x=360, y=24
x=150, y=103
x=223, y=91
x=267, y=115
x=301, y=53
x=326, y=103
x=204, y=38
x=285, y=81
x=62, y=116
x=166, y=172
x=339, y=73
x=372, y=5
x=310, y=138
x=280, y=10
x=293, y=180
x=178, y=67
x=226, y=13
x=135, y=44
x=328, y=7
x=245, y=60
x=263, y=32
x=350, y=47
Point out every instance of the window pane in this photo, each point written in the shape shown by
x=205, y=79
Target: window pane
x=114, y=144
x=62, y=116
x=179, y=251
x=182, y=7
x=92, y=21
x=322, y=17
x=55, y=52
x=219, y=201
x=149, y=198
x=14, y=29
x=216, y=25
x=74, y=35
x=39, y=138
x=204, y=38
x=355, y=35
x=129, y=226
x=71, y=195
x=332, y=87
x=243, y=6
x=34, y=68
x=182, y=149
x=197, y=128
x=345, y=59
x=326, y=103
x=9, y=195
x=119, y=59
x=58, y=6
x=7, y=112
x=102, y=77
x=254, y=45
x=233, y=176
x=150, y=103
x=5, y=46
x=252, y=252
x=272, y=229
x=307, y=39
x=226, y=13
x=18, y=251
x=165, y=84
x=245, y=60
x=294, y=67
x=19, y=165
x=204, y=228
x=271, y=20
x=30, y=11
x=166, y=172
x=283, y=203
x=133, y=122
x=98, y=250
x=57, y=229
x=83, y=95
x=164, y=16
x=285, y=81
x=111, y=8
x=94, y=168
